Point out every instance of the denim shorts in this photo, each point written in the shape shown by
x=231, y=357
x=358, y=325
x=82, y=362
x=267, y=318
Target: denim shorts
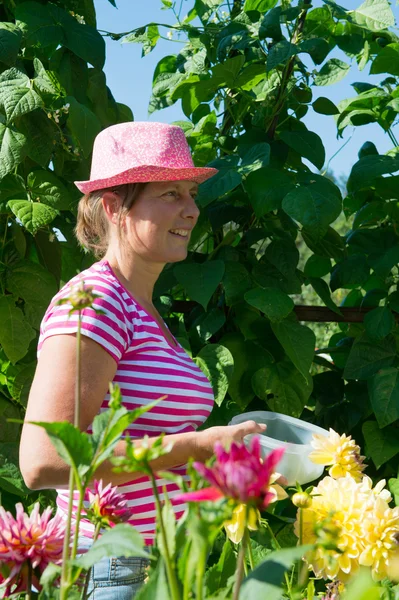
x=117, y=578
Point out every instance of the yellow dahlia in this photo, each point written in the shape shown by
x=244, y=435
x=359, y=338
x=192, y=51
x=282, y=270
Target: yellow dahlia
x=334, y=523
x=341, y=452
x=381, y=539
x=235, y=527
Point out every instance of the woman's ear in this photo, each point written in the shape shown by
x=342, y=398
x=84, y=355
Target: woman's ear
x=111, y=204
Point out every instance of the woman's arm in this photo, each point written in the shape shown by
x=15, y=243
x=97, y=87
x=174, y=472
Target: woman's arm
x=51, y=399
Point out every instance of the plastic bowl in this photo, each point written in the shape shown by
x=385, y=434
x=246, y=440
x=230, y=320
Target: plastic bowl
x=294, y=436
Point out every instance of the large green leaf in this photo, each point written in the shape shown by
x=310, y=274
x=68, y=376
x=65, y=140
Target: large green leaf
x=381, y=445
x=33, y=215
x=73, y=446
x=379, y=322
x=41, y=134
x=40, y=23
x=331, y=245
x=367, y=357
x=10, y=476
x=322, y=290
x=266, y=189
x=260, y=5
x=200, y=280
x=374, y=15
x=121, y=540
x=350, y=272
x=217, y=362
x=266, y=580
x=255, y=158
x=236, y=281
x=15, y=333
x=368, y=168
x=314, y=207
x=333, y=71
x=308, y=144
x=384, y=395
x=224, y=181
x=280, y=53
x=270, y=25
x=10, y=39
x=35, y=285
x=85, y=41
x=83, y=124
x=324, y=106
x=13, y=148
x=290, y=391
x=274, y=303
x=386, y=61
x=317, y=266
x=45, y=187
x=17, y=96
x=298, y=341
x=225, y=74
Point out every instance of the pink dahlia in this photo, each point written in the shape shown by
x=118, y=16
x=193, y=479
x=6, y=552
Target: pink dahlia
x=238, y=473
x=28, y=541
x=106, y=505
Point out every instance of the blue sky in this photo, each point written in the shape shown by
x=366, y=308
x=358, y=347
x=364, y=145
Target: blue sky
x=130, y=78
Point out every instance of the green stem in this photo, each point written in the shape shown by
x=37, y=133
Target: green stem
x=250, y=555
x=65, y=552
x=77, y=522
x=173, y=584
x=87, y=579
x=200, y=573
x=78, y=372
x=28, y=594
x=239, y=569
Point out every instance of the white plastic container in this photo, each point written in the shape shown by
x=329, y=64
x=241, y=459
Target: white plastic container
x=294, y=436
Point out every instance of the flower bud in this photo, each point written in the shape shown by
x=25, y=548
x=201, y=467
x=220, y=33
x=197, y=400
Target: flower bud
x=140, y=453
x=302, y=500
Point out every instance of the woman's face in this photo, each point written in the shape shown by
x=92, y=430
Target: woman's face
x=159, y=224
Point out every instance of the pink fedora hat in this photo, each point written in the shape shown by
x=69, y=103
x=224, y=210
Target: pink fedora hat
x=141, y=151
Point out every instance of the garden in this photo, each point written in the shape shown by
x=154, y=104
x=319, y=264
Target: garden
x=280, y=249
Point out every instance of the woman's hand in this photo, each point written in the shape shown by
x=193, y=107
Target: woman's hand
x=206, y=439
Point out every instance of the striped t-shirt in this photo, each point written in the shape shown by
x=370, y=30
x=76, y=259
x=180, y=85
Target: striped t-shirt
x=148, y=367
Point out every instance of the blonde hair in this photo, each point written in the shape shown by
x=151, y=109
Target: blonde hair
x=92, y=227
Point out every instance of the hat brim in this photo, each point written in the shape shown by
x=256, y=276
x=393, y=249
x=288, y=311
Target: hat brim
x=147, y=174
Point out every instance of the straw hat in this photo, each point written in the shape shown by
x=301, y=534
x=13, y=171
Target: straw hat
x=141, y=151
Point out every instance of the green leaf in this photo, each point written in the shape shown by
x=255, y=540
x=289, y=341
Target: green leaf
x=10, y=39
x=379, y=322
x=217, y=362
x=13, y=147
x=212, y=322
x=17, y=96
x=374, y=15
x=290, y=390
x=350, y=272
x=225, y=74
x=224, y=181
x=45, y=187
x=280, y=53
x=266, y=189
x=15, y=333
x=317, y=266
x=200, y=280
x=73, y=446
x=298, y=341
x=322, y=290
x=394, y=489
x=331, y=72
x=384, y=395
x=381, y=445
x=318, y=48
x=35, y=285
x=83, y=124
x=260, y=5
x=367, y=357
x=275, y=304
x=257, y=157
x=266, y=580
x=331, y=244
x=324, y=106
x=84, y=41
x=40, y=23
x=122, y=540
x=32, y=215
x=236, y=281
x=41, y=133
x=147, y=36
x=270, y=25
x=368, y=168
x=10, y=476
x=386, y=61
x=314, y=207
x=307, y=144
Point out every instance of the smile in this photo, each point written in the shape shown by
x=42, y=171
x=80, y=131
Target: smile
x=180, y=232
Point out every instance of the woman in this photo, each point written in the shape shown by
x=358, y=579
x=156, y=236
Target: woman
x=137, y=214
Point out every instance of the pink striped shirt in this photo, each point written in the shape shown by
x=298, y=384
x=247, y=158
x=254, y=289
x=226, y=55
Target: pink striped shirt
x=148, y=367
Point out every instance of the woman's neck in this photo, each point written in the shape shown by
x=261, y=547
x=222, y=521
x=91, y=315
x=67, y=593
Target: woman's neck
x=137, y=276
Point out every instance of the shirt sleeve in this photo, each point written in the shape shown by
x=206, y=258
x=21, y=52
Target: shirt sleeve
x=110, y=328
